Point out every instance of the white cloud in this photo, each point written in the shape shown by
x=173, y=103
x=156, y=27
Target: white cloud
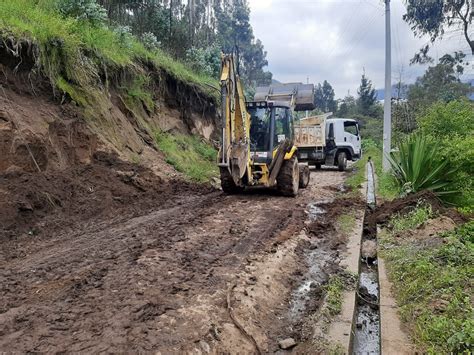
x=335, y=39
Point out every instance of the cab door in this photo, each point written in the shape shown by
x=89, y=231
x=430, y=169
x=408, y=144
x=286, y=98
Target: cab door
x=352, y=137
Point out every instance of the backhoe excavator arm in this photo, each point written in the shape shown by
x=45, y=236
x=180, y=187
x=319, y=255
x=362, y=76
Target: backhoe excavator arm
x=234, y=152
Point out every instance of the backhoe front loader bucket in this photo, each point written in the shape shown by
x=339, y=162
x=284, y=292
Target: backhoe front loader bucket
x=298, y=96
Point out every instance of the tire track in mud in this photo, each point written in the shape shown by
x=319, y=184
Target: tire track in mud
x=156, y=281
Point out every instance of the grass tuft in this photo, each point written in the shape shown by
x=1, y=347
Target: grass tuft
x=413, y=219
x=433, y=283
x=188, y=155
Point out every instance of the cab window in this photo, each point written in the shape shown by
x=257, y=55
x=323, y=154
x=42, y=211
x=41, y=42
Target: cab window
x=351, y=127
x=282, y=125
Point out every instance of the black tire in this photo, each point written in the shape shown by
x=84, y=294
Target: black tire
x=304, y=176
x=342, y=161
x=288, y=178
x=318, y=166
x=227, y=183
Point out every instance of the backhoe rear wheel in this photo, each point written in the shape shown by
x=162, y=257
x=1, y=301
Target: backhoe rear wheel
x=304, y=175
x=227, y=183
x=288, y=179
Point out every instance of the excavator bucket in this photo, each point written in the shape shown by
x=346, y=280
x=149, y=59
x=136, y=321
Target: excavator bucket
x=296, y=95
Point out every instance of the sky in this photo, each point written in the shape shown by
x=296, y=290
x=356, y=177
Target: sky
x=336, y=40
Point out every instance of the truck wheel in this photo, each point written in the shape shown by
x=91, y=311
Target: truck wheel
x=318, y=166
x=304, y=176
x=288, y=178
x=227, y=183
x=342, y=161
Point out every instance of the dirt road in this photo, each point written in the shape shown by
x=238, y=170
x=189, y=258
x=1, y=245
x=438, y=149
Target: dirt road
x=163, y=279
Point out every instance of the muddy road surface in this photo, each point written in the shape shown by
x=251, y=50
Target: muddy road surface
x=197, y=272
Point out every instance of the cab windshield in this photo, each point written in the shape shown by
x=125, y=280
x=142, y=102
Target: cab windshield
x=260, y=128
x=263, y=137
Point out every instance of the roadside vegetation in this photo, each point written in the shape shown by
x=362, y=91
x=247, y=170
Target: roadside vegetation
x=385, y=183
x=189, y=155
x=75, y=50
x=432, y=281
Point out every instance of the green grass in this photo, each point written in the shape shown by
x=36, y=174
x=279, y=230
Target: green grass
x=386, y=186
x=413, y=219
x=75, y=52
x=334, y=291
x=189, y=155
x=433, y=283
x=346, y=223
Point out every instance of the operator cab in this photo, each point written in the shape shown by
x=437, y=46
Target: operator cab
x=270, y=124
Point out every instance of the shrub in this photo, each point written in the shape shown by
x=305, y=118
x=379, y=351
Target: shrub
x=417, y=166
x=204, y=60
x=124, y=36
x=452, y=127
x=88, y=10
x=150, y=41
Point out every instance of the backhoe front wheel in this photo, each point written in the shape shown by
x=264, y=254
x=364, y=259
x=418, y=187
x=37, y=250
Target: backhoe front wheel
x=342, y=161
x=289, y=177
x=227, y=183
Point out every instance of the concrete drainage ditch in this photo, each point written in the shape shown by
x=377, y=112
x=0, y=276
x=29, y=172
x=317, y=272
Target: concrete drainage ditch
x=365, y=334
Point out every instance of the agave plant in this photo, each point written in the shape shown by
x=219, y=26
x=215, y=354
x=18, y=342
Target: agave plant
x=417, y=166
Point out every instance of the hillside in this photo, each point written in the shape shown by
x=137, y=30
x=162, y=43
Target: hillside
x=80, y=102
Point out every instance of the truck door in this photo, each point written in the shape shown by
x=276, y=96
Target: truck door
x=352, y=137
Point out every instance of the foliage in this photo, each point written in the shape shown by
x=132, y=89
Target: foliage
x=324, y=97
x=73, y=52
x=205, y=60
x=189, y=155
x=452, y=127
x=433, y=283
x=334, y=289
x=385, y=184
x=88, y=10
x=347, y=107
x=124, y=36
x=417, y=166
x=346, y=223
x=413, y=219
x=433, y=18
x=184, y=27
x=439, y=83
x=367, y=96
x=150, y=41
x=370, y=128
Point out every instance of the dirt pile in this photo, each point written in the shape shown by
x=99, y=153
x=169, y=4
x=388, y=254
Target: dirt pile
x=35, y=202
x=405, y=204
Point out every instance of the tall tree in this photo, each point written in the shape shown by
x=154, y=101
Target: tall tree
x=434, y=17
x=347, y=106
x=367, y=96
x=439, y=83
x=324, y=97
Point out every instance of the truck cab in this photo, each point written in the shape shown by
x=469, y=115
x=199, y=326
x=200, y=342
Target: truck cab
x=346, y=135
x=328, y=141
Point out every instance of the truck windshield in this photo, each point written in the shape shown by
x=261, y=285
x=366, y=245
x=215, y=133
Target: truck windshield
x=260, y=128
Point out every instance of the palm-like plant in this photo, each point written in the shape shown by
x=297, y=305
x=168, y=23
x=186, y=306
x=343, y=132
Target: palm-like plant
x=417, y=166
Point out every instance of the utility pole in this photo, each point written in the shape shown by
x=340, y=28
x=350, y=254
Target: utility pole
x=387, y=107
x=307, y=82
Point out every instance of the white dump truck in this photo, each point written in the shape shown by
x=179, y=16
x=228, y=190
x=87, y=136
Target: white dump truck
x=327, y=141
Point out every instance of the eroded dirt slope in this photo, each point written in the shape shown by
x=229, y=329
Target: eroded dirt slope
x=159, y=278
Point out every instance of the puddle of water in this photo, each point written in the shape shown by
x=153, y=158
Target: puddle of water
x=369, y=281
x=367, y=337
x=314, y=277
x=315, y=210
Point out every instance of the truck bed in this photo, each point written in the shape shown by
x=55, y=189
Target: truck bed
x=311, y=132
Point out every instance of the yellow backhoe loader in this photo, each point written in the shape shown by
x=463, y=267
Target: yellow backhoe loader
x=257, y=142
